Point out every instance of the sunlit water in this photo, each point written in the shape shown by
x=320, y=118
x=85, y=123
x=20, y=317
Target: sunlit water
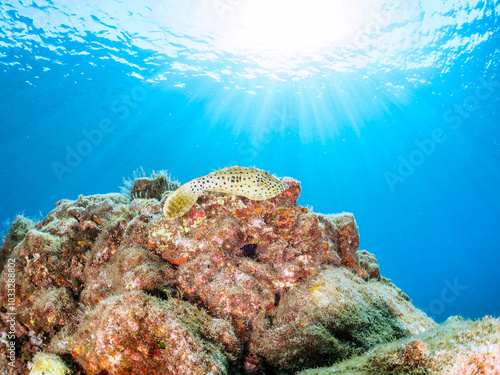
x=387, y=109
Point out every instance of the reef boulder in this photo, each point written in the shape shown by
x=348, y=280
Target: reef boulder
x=456, y=347
x=234, y=286
x=140, y=334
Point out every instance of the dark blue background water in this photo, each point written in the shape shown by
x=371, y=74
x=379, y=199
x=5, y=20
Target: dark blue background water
x=401, y=129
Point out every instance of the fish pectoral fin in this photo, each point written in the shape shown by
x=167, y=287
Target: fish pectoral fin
x=179, y=202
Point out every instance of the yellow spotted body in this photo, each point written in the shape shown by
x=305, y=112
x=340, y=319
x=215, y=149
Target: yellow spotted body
x=252, y=183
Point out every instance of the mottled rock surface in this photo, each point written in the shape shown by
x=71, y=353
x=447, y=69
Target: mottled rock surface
x=17, y=231
x=235, y=286
x=311, y=326
x=456, y=347
x=140, y=334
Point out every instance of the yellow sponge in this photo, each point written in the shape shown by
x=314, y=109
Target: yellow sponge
x=48, y=364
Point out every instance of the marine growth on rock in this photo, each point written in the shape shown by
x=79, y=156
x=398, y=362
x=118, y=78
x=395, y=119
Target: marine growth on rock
x=107, y=284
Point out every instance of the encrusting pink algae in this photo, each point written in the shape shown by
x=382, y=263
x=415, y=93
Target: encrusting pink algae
x=107, y=284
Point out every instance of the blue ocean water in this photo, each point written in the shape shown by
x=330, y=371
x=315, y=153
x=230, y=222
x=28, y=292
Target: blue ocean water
x=386, y=109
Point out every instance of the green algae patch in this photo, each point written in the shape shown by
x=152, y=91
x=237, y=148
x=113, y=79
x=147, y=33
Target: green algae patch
x=455, y=347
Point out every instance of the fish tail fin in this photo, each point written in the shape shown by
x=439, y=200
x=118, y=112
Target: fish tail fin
x=179, y=202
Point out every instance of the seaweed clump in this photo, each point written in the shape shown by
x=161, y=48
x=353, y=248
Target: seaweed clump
x=148, y=187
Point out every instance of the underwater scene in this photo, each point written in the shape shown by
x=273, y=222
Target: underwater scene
x=250, y=187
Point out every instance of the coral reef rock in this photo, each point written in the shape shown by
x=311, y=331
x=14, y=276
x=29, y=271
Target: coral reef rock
x=105, y=284
x=456, y=347
x=17, y=231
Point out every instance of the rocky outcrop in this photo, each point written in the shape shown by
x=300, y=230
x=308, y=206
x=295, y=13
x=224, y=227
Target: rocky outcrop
x=456, y=347
x=235, y=286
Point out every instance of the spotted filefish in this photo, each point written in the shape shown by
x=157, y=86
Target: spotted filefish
x=252, y=183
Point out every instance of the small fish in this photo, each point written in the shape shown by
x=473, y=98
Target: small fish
x=252, y=183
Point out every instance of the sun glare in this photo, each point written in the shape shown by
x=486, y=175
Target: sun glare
x=297, y=25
